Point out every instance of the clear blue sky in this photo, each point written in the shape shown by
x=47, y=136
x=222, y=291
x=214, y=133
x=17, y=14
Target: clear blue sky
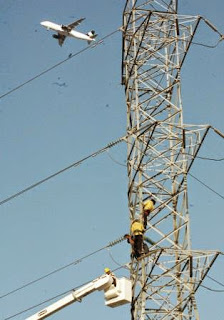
x=65, y=115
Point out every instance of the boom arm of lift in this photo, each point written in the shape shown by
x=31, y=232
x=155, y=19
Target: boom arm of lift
x=118, y=295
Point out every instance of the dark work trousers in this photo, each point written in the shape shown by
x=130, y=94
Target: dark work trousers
x=138, y=245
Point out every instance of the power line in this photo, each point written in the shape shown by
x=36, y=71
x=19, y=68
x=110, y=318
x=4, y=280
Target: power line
x=77, y=261
x=205, y=185
x=58, y=64
x=210, y=289
x=77, y=163
x=50, y=273
x=218, y=132
x=207, y=45
x=74, y=164
x=220, y=283
x=211, y=159
x=117, y=162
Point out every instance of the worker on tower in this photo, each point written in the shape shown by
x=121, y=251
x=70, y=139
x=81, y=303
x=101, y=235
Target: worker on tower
x=148, y=207
x=136, y=238
x=131, y=241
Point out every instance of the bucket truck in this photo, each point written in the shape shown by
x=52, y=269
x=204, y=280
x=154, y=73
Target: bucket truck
x=117, y=291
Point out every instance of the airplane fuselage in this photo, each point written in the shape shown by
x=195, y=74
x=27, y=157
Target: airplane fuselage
x=68, y=33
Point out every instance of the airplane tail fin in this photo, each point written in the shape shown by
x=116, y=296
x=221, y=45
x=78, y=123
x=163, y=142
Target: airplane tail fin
x=92, y=34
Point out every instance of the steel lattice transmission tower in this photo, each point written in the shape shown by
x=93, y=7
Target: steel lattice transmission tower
x=161, y=150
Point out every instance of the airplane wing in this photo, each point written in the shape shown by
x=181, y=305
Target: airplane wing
x=75, y=23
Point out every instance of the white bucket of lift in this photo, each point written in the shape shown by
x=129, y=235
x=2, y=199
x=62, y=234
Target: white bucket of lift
x=119, y=295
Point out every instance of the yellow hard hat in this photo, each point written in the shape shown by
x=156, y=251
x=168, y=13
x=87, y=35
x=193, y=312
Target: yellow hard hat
x=106, y=270
x=148, y=205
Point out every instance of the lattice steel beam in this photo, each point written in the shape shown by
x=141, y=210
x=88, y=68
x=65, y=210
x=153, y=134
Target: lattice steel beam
x=155, y=43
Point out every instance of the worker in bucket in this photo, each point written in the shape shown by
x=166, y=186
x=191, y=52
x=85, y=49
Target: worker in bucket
x=148, y=207
x=108, y=271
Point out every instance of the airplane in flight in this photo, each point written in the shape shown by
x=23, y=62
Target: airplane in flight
x=64, y=31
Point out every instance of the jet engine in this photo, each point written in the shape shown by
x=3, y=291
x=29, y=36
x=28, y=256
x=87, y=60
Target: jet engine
x=91, y=34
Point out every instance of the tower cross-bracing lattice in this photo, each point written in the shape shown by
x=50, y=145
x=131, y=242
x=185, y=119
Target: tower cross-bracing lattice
x=161, y=151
